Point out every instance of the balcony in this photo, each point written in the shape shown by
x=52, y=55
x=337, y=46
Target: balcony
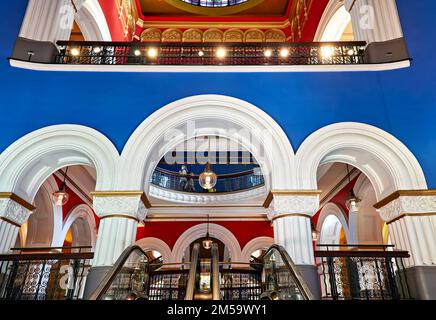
x=200, y=57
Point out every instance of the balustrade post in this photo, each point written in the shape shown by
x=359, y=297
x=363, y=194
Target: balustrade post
x=119, y=213
x=411, y=218
x=291, y=213
x=14, y=212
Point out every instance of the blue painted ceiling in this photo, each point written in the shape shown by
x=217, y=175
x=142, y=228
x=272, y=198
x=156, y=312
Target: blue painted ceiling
x=401, y=102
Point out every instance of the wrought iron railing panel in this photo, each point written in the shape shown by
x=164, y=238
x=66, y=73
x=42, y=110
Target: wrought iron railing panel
x=225, y=183
x=210, y=54
x=168, y=285
x=240, y=284
x=363, y=275
x=48, y=276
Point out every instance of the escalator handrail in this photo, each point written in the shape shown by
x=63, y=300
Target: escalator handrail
x=110, y=276
x=289, y=264
x=215, y=273
x=192, y=278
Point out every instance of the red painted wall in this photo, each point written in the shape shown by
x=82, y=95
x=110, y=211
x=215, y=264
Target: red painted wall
x=110, y=11
x=169, y=232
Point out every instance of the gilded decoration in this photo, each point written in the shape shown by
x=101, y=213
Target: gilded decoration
x=193, y=35
x=233, y=35
x=254, y=35
x=213, y=35
x=275, y=35
x=151, y=35
x=172, y=35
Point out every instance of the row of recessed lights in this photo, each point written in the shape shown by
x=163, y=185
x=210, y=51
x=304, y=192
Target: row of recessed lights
x=221, y=53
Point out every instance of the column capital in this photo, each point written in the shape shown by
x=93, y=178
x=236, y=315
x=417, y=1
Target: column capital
x=131, y=204
x=407, y=203
x=285, y=202
x=14, y=209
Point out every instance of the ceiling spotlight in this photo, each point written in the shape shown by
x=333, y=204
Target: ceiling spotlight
x=137, y=52
x=152, y=53
x=97, y=50
x=284, y=53
x=268, y=53
x=75, y=52
x=221, y=53
x=327, y=52
x=200, y=53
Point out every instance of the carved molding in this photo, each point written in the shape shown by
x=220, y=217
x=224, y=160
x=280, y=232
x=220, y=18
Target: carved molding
x=172, y=35
x=409, y=205
x=151, y=35
x=13, y=211
x=131, y=206
x=294, y=204
x=193, y=35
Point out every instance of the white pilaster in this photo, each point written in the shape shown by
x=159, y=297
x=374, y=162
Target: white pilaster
x=374, y=20
x=119, y=214
x=412, y=226
x=291, y=215
x=12, y=215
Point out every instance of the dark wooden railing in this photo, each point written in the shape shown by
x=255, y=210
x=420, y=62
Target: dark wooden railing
x=368, y=272
x=210, y=54
x=44, y=274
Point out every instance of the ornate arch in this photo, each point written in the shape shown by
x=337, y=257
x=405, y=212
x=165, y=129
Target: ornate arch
x=211, y=115
x=92, y=21
x=193, y=35
x=198, y=231
x=213, y=35
x=172, y=35
x=388, y=164
x=151, y=243
x=254, y=35
x=255, y=244
x=29, y=161
x=275, y=35
x=151, y=35
x=233, y=35
x=329, y=210
x=333, y=23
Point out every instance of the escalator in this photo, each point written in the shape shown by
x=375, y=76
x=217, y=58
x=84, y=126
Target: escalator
x=270, y=277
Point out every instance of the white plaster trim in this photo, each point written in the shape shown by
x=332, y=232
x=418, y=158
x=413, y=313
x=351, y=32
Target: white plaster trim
x=199, y=231
x=131, y=206
x=258, y=243
x=92, y=22
x=333, y=23
x=388, y=164
x=200, y=198
x=294, y=204
x=150, y=243
x=408, y=205
x=30, y=160
x=210, y=69
x=332, y=209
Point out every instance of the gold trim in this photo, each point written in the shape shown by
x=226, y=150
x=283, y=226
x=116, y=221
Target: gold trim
x=205, y=25
x=119, y=216
x=291, y=215
x=272, y=193
x=406, y=193
x=214, y=11
x=10, y=221
x=106, y=194
x=17, y=199
x=216, y=218
x=411, y=215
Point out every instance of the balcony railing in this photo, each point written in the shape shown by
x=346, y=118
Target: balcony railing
x=189, y=183
x=210, y=54
x=41, y=274
x=214, y=3
x=362, y=272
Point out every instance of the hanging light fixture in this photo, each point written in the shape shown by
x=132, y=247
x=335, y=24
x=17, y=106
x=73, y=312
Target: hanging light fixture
x=353, y=201
x=208, y=178
x=315, y=233
x=61, y=196
x=207, y=243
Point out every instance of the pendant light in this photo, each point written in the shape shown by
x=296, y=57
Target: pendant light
x=207, y=243
x=315, y=234
x=208, y=178
x=353, y=201
x=61, y=196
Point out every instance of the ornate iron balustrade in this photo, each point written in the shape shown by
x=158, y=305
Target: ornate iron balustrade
x=168, y=285
x=214, y=3
x=210, y=54
x=38, y=274
x=371, y=274
x=240, y=284
x=190, y=183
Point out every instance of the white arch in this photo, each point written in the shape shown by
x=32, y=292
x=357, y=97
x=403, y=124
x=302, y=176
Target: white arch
x=29, y=161
x=333, y=23
x=150, y=243
x=92, y=22
x=388, y=164
x=328, y=226
x=213, y=115
x=89, y=232
x=198, y=231
x=255, y=244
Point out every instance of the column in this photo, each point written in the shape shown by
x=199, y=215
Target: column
x=14, y=211
x=411, y=217
x=119, y=213
x=291, y=213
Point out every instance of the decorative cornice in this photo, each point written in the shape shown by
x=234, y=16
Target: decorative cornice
x=404, y=193
x=300, y=202
x=106, y=194
x=273, y=193
x=411, y=215
x=17, y=199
